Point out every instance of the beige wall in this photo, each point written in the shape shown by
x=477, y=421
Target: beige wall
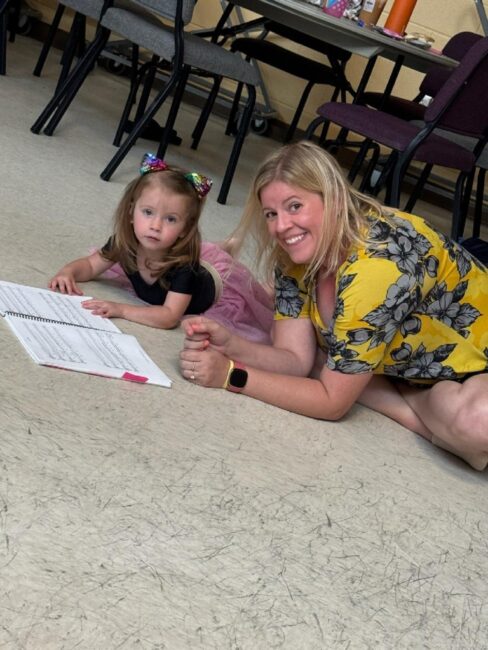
x=437, y=18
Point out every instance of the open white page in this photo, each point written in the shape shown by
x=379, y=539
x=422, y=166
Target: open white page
x=42, y=303
x=86, y=350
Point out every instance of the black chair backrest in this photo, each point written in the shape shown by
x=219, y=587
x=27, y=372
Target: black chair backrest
x=461, y=104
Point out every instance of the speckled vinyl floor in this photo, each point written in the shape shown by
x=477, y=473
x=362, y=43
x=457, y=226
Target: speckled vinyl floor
x=143, y=518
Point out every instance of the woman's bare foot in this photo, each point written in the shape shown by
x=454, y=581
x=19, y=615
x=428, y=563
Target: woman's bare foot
x=230, y=246
x=477, y=459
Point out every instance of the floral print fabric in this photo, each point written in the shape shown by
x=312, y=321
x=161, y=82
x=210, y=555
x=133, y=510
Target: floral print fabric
x=410, y=304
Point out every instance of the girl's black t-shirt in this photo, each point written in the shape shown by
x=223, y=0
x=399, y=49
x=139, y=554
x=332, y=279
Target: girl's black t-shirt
x=193, y=280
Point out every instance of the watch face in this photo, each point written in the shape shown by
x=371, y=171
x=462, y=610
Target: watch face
x=238, y=378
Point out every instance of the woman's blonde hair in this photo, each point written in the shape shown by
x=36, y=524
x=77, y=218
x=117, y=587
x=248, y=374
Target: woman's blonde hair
x=185, y=250
x=305, y=165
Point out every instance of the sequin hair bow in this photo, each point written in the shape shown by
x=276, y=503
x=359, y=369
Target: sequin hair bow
x=150, y=163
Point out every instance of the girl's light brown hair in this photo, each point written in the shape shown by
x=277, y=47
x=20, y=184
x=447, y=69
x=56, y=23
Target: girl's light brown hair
x=186, y=249
x=305, y=165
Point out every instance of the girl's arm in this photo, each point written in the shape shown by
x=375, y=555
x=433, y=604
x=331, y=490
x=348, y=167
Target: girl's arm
x=164, y=316
x=80, y=270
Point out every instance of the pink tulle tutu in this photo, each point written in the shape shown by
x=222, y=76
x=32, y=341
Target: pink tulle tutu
x=244, y=306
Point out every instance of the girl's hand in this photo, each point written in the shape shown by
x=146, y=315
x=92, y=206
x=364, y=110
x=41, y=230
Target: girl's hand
x=202, y=333
x=204, y=367
x=104, y=308
x=65, y=283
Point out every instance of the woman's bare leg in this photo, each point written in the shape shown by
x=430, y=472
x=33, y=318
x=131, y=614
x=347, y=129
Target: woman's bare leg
x=457, y=416
x=453, y=416
x=382, y=395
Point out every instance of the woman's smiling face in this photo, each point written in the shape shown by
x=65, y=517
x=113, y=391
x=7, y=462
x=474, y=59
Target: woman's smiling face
x=295, y=218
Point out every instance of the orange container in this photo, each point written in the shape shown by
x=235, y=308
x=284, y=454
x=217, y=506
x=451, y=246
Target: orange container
x=399, y=16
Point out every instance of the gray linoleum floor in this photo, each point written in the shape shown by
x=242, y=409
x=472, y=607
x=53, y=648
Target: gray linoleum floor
x=139, y=517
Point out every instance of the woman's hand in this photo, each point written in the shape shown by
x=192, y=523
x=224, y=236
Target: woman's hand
x=202, y=333
x=204, y=367
x=64, y=282
x=104, y=308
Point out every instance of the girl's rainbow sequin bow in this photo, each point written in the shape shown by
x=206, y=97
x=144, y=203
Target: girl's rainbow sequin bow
x=150, y=163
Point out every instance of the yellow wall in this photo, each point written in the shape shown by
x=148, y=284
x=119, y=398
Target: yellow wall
x=437, y=18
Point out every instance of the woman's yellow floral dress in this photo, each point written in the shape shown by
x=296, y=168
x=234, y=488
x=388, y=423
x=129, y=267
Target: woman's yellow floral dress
x=410, y=304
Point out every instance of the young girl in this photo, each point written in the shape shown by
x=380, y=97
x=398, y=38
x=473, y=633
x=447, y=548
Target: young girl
x=156, y=242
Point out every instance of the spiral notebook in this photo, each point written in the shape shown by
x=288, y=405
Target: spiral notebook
x=56, y=331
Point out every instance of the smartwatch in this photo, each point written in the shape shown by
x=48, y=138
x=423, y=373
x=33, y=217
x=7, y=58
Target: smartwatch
x=237, y=378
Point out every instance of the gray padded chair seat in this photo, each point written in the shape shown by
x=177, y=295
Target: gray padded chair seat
x=198, y=52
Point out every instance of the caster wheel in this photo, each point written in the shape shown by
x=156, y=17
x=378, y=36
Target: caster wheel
x=24, y=25
x=114, y=67
x=260, y=125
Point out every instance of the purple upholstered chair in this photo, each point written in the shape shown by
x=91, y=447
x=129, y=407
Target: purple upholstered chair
x=455, y=48
x=412, y=109
x=461, y=106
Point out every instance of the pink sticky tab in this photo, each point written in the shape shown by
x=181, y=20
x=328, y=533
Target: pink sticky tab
x=131, y=377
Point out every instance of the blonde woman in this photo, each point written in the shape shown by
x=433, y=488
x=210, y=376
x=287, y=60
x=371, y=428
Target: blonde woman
x=371, y=306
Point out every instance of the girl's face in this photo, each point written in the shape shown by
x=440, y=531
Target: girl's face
x=295, y=219
x=159, y=218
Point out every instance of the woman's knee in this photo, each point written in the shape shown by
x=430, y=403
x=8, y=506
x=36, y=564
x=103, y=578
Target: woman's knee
x=470, y=423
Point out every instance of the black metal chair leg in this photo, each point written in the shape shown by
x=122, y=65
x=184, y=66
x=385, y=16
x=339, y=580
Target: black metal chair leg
x=14, y=19
x=205, y=114
x=74, y=82
x=296, y=117
x=358, y=160
x=365, y=185
x=146, y=87
x=313, y=126
x=480, y=190
x=134, y=63
x=417, y=190
x=134, y=87
x=3, y=36
x=76, y=78
x=340, y=141
x=71, y=49
x=139, y=127
x=465, y=199
x=81, y=40
x=49, y=40
x=238, y=142
x=173, y=112
x=459, y=214
x=393, y=188
x=323, y=133
x=233, y=118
